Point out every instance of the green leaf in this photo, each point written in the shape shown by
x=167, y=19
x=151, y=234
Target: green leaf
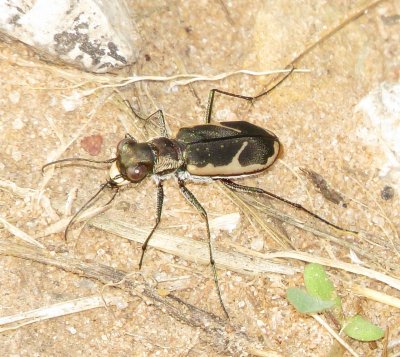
x=362, y=330
x=317, y=282
x=305, y=303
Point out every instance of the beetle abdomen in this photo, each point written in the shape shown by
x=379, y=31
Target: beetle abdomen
x=228, y=149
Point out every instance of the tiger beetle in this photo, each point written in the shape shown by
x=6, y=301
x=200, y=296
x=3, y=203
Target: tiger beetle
x=202, y=153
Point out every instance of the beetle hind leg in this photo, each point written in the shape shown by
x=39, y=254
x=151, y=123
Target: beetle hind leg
x=160, y=117
x=255, y=190
x=193, y=201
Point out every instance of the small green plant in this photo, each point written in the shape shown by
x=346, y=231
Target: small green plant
x=320, y=295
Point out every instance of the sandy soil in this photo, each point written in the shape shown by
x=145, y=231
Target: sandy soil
x=314, y=115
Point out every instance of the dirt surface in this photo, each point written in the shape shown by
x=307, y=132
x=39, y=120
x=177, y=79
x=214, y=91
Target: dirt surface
x=314, y=114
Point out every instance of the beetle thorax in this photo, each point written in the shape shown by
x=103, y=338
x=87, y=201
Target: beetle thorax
x=168, y=155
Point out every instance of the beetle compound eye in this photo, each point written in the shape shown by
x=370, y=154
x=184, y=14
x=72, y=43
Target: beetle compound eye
x=137, y=173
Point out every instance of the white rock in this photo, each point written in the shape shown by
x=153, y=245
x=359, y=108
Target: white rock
x=71, y=330
x=14, y=96
x=257, y=244
x=92, y=34
x=16, y=155
x=382, y=130
x=227, y=222
x=17, y=124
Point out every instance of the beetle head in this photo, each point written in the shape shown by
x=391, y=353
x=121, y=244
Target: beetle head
x=134, y=162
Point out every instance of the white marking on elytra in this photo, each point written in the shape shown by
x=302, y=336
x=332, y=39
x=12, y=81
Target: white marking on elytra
x=234, y=168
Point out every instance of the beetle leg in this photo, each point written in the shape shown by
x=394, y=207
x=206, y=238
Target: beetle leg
x=161, y=122
x=193, y=200
x=160, y=200
x=88, y=204
x=245, y=97
x=248, y=189
x=160, y=116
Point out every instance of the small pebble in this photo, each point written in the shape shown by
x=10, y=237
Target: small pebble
x=72, y=102
x=14, y=97
x=387, y=193
x=92, y=144
x=257, y=244
x=71, y=330
x=18, y=124
x=16, y=155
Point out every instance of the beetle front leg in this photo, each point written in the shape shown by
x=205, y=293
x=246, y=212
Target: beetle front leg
x=248, y=189
x=193, y=201
x=161, y=122
x=245, y=97
x=160, y=200
x=160, y=116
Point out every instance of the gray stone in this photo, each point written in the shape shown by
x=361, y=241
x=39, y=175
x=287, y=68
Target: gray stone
x=94, y=35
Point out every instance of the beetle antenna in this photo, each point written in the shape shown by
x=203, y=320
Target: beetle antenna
x=109, y=161
x=108, y=184
x=248, y=189
x=130, y=106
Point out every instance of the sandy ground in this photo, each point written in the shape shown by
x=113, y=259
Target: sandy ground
x=314, y=115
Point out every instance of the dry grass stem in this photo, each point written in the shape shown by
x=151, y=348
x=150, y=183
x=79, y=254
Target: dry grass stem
x=60, y=309
x=102, y=81
x=60, y=225
x=351, y=268
x=19, y=233
x=231, y=341
x=198, y=77
x=20, y=192
x=335, y=335
x=252, y=211
x=375, y=295
x=71, y=197
x=257, y=209
x=300, y=180
x=177, y=80
x=189, y=249
x=46, y=205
